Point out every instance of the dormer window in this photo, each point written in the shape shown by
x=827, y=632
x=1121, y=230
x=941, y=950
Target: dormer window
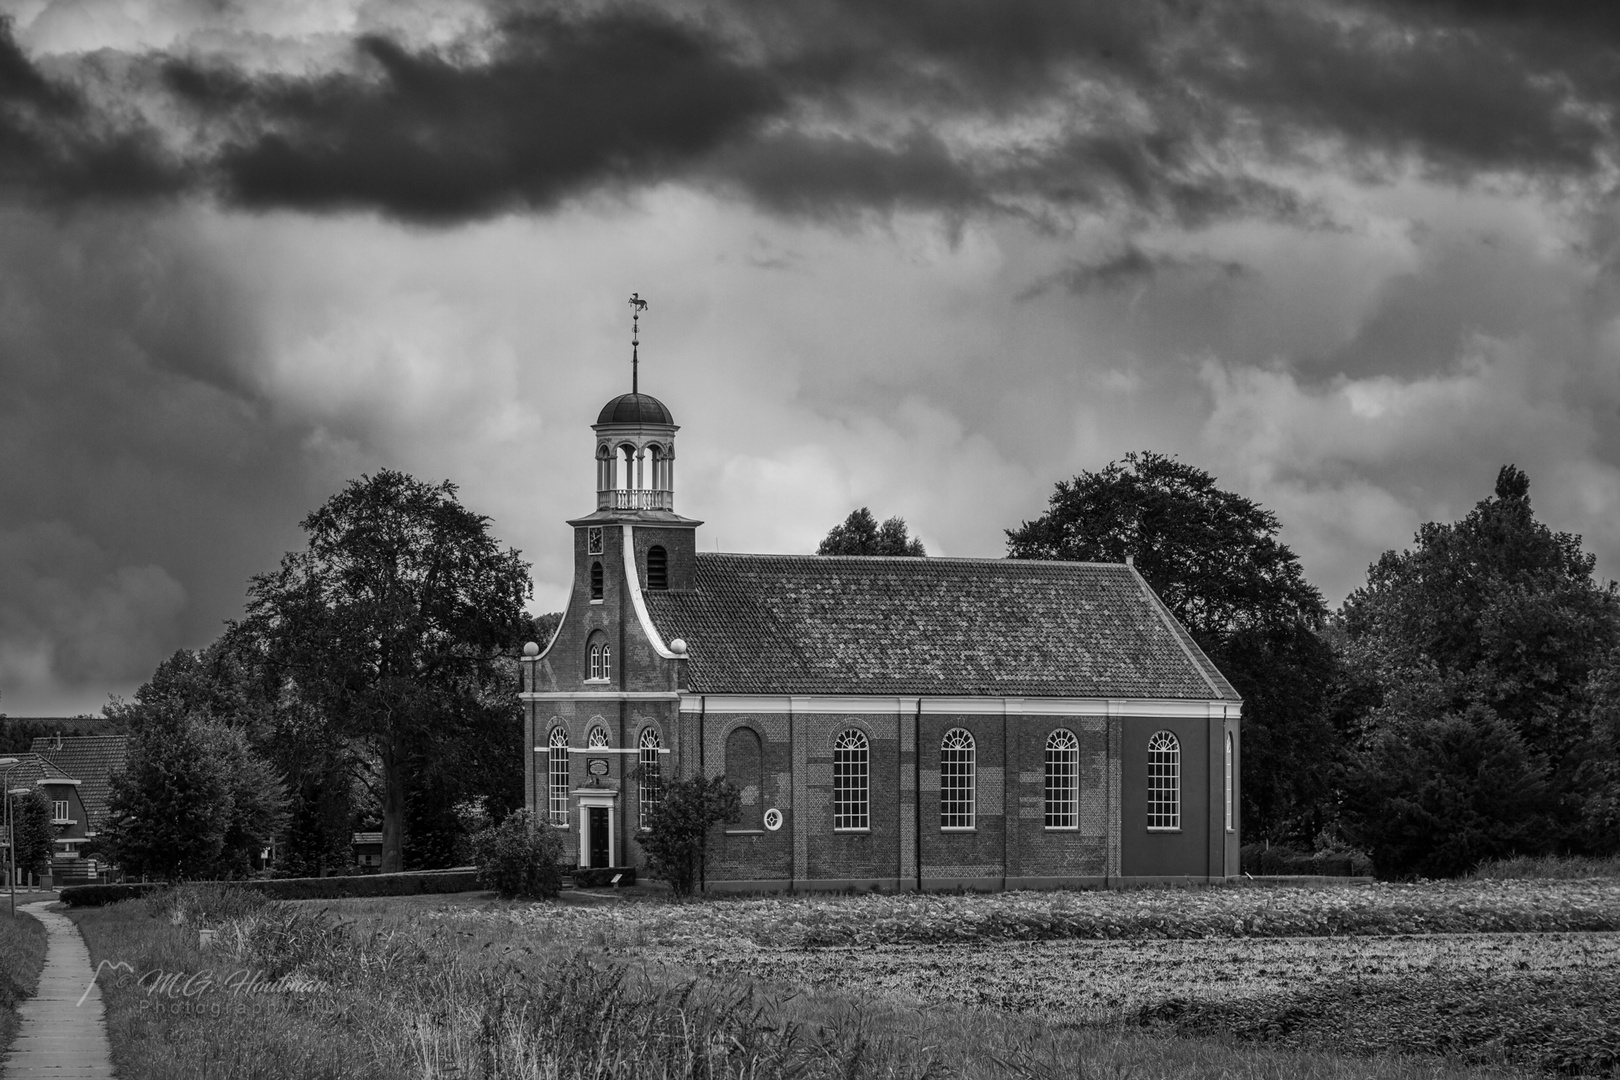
x=657, y=569
x=596, y=581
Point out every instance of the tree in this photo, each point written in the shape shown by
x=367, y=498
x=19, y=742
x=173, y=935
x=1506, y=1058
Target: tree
x=1214, y=558
x=390, y=627
x=36, y=835
x=1495, y=614
x=677, y=836
x=168, y=810
x=860, y=534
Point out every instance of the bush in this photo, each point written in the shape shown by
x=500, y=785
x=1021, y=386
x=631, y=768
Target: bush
x=603, y=875
x=518, y=859
x=677, y=836
x=1279, y=861
x=327, y=888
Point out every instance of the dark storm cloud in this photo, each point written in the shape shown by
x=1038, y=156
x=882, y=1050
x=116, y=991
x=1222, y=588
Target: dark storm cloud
x=561, y=105
x=829, y=107
x=54, y=144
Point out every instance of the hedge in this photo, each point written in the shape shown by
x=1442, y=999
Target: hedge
x=600, y=876
x=1281, y=861
x=412, y=883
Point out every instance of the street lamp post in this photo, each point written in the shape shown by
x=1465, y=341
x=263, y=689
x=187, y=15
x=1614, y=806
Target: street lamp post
x=10, y=763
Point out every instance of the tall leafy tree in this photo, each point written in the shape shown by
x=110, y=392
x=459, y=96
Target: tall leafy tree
x=390, y=626
x=860, y=534
x=1214, y=558
x=36, y=835
x=1495, y=618
x=169, y=808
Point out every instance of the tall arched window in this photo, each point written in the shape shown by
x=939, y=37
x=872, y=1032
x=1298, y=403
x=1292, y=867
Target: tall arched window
x=1164, y=781
x=1062, y=780
x=850, y=769
x=956, y=780
x=596, y=581
x=600, y=657
x=657, y=569
x=1231, y=818
x=651, y=787
x=745, y=768
x=598, y=739
x=557, y=773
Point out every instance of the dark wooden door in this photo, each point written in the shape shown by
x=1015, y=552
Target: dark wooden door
x=599, y=836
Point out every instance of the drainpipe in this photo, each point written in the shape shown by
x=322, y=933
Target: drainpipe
x=916, y=786
x=703, y=713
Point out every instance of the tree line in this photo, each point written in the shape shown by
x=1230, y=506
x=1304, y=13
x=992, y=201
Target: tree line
x=1463, y=704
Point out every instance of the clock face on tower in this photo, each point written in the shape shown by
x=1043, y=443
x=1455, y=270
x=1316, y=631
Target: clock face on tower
x=594, y=540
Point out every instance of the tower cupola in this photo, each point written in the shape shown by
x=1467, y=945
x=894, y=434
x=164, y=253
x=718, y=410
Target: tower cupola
x=635, y=442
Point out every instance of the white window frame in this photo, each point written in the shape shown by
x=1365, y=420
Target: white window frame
x=597, y=739
x=1062, y=781
x=61, y=810
x=1164, y=782
x=651, y=786
x=557, y=778
x=957, y=781
x=852, y=765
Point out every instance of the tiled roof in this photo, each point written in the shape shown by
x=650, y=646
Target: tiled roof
x=791, y=624
x=91, y=759
x=30, y=769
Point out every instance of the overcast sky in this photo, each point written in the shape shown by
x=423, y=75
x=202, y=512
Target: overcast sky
x=927, y=257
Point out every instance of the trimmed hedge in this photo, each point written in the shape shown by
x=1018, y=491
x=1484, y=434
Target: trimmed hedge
x=328, y=888
x=603, y=876
x=1285, y=862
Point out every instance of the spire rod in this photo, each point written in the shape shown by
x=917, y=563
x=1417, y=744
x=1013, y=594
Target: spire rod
x=637, y=306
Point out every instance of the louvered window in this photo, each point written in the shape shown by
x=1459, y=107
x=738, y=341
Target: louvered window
x=657, y=569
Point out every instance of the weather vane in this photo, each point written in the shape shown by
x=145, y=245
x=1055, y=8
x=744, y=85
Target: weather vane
x=637, y=306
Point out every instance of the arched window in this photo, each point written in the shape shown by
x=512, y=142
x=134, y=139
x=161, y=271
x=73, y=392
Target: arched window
x=657, y=569
x=598, y=739
x=1164, y=781
x=956, y=780
x=1062, y=780
x=596, y=581
x=651, y=787
x=600, y=656
x=1231, y=819
x=557, y=772
x=745, y=768
x=850, y=768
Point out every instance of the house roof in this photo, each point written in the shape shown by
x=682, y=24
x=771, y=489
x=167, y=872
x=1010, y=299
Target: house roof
x=92, y=759
x=792, y=624
x=31, y=768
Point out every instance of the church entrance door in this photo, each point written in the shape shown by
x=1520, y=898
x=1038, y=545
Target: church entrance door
x=598, y=816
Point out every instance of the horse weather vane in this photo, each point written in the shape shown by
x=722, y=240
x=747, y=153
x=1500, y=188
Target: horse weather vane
x=637, y=306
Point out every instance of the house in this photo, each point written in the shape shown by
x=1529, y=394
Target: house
x=92, y=760
x=61, y=790
x=367, y=848
x=893, y=723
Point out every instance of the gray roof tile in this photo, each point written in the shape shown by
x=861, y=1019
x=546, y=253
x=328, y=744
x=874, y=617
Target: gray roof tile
x=812, y=624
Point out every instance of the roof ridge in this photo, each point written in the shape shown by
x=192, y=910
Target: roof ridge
x=912, y=559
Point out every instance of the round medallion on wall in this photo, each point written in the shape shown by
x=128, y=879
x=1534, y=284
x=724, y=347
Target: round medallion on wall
x=773, y=819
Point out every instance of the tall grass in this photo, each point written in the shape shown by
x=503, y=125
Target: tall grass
x=1549, y=866
x=411, y=995
x=22, y=957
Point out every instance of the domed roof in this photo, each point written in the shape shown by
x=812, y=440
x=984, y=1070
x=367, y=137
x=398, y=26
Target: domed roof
x=635, y=409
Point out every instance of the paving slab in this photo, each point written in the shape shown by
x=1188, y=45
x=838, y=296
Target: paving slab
x=64, y=1029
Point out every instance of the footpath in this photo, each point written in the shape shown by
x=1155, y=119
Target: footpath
x=61, y=1038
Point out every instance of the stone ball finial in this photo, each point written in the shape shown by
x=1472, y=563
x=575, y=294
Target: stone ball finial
x=678, y=646
x=531, y=650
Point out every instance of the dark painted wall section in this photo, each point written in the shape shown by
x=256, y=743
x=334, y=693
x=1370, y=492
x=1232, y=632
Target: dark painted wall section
x=1165, y=854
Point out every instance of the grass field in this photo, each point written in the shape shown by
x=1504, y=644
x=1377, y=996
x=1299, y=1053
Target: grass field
x=22, y=956
x=469, y=987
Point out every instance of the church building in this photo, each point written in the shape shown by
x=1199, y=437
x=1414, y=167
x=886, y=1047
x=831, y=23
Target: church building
x=891, y=722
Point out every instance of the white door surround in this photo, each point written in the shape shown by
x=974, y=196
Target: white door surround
x=586, y=800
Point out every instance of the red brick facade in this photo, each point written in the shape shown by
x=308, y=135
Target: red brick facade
x=753, y=666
